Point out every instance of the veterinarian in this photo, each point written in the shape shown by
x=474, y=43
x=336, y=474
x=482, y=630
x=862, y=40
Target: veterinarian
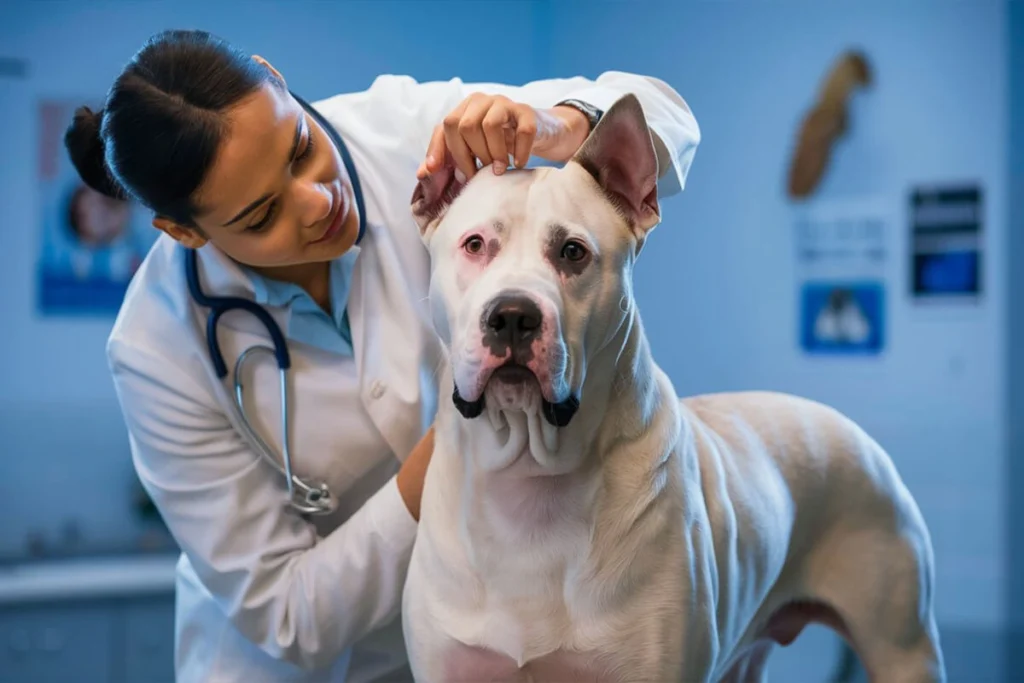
x=303, y=211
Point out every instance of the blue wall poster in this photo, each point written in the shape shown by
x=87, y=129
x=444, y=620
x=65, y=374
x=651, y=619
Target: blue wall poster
x=946, y=242
x=90, y=245
x=842, y=317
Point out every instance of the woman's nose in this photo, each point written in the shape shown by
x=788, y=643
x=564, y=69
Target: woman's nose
x=317, y=202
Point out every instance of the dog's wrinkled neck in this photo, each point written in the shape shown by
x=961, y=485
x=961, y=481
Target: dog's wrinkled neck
x=516, y=433
x=625, y=403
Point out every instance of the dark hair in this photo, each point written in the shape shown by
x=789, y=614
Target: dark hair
x=157, y=134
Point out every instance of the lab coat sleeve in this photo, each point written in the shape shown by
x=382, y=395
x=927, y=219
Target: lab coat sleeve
x=413, y=109
x=301, y=598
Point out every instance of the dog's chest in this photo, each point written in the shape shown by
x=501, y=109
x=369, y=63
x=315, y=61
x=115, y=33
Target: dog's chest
x=529, y=607
x=519, y=593
x=531, y=639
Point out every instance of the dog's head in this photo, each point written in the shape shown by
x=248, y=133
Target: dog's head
x=531, y=270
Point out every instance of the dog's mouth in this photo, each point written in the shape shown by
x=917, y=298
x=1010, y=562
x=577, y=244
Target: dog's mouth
x=514, y=374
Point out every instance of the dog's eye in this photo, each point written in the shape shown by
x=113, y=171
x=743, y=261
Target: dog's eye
x=573, y=251
x=474, y=245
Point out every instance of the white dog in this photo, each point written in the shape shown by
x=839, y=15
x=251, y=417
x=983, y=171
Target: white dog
x=579, y=522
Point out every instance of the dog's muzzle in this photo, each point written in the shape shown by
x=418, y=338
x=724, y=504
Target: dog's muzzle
x=558, y=414
x=510, y=328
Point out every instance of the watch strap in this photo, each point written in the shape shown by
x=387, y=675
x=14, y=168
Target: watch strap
x=592, y=113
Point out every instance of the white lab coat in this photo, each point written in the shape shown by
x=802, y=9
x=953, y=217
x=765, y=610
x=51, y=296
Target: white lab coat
x=263, y=594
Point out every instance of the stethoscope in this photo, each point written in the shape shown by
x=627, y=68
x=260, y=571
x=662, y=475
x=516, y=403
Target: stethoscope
x=312, y=497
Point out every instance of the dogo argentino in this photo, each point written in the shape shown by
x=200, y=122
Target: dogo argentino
x=579, y=521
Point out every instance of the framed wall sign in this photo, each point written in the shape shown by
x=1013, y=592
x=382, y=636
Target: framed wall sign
x=946, y=245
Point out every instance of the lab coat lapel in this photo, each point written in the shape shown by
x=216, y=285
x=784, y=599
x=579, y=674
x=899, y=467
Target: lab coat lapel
x=385, y=375
x=220, y=276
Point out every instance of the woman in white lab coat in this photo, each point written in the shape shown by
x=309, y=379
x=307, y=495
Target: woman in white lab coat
x=237, y=170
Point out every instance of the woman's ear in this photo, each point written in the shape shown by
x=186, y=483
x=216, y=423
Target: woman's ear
x=189, y=237
x=269, y=66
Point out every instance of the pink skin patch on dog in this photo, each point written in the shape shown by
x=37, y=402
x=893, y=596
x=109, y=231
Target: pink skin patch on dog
x=464, y=664
x=476, y=665
x=475, y=249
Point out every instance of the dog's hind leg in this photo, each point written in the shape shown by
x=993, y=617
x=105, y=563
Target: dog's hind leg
x=880, y=584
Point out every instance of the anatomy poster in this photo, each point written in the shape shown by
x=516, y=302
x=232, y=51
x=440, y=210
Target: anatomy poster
x=842, y=255
x=90, y=245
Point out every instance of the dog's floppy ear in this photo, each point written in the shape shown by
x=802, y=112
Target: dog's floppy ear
x=433, y=195
x=620, y=155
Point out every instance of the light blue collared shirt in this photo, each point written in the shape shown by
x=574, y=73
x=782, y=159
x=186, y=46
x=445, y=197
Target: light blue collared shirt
x=309, y=323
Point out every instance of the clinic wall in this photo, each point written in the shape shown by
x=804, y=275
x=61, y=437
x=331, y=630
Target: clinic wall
x=717, y=284
x=63, y=442
x=1015, y=356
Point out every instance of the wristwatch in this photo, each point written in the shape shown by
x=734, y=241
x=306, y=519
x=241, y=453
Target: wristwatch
x=592, y=113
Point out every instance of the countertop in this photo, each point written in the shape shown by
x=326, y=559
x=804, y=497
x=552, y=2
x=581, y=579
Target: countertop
x=89, y=577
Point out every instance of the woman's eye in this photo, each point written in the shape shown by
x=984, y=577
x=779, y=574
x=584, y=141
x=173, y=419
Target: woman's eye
x=574, y=251
x=265, y=221
x=308, y=151
x=474, y=245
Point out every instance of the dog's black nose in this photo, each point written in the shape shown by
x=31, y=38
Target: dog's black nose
x=511, y=323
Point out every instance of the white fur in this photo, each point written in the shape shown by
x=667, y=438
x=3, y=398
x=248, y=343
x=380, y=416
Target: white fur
x=651, y=539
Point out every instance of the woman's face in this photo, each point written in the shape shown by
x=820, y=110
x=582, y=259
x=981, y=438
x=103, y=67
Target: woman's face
x=277, y=195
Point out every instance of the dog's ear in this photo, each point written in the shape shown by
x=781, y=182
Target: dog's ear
x=620, y=155
x=433, y=195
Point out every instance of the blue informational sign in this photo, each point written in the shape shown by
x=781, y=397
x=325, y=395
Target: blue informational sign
x=842, y=317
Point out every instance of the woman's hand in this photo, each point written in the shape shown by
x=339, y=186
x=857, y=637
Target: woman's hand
x=413, y=470
x=492, y=128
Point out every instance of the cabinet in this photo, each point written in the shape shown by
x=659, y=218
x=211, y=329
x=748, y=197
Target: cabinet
x=88, y=624
x=108, y=641
x=148, y=641
x=56, y=644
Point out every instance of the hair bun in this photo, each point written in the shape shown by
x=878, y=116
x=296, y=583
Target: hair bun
x=85, y=147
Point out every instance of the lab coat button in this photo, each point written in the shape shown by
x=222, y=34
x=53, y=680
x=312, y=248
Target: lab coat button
x=377, y=389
